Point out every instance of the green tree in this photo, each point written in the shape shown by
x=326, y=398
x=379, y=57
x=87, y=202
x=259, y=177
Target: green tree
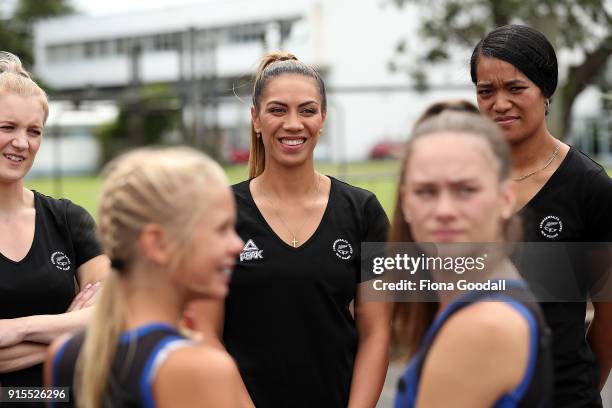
x=582, y=26
x=29, y=11
x=16, y=29
x=144, y=119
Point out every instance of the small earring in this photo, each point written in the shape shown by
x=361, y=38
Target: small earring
x=547, y=106
x=259, y=135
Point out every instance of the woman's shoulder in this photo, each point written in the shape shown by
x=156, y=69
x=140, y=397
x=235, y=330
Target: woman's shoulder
x=352, y=193
x=589, y=177
x=581, y=164
x=364, y=206
x=51, y=203
x=481, y=352
x=59, y=207
x=495, y=317
x=190, y=358
x=241, y=190
x=197, y=374
x=241, y=186
x=484, y=333
x=494, y=326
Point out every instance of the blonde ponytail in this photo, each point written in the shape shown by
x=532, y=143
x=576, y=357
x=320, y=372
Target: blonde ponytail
x=165, y=186
x=94, y=362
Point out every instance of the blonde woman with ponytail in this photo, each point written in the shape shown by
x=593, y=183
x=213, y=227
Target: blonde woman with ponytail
x=48, y=247
x=167, y=223
x=288, y=320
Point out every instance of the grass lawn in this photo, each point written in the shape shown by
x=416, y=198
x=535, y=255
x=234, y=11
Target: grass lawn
x=377, y=176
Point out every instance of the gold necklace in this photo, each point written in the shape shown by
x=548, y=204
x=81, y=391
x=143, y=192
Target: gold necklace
x=294, y=241
x=521, y=178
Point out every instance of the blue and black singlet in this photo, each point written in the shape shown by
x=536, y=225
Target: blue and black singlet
x=536, y=387
x=139, y=355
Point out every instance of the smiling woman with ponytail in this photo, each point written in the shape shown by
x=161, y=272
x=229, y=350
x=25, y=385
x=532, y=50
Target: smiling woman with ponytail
x=156, y=206
x=299, y=272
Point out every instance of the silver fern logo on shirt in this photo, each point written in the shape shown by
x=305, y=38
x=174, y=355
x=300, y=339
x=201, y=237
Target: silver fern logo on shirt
x=551, y=226
x=250, y=252
x=343, y=249
x=60, y=260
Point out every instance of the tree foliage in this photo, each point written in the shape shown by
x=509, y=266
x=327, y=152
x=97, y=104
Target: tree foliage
x=29, y=11
x=144, y=119
x=16, y=29
x=581, y=26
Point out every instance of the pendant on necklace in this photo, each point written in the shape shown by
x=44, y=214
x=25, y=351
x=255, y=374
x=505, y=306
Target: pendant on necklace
x=294, y=242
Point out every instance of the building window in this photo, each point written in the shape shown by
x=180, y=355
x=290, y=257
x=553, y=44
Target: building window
x=166, y=41
x=246, y=33
x=88, y=50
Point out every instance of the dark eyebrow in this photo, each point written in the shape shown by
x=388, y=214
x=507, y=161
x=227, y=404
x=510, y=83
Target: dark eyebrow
x=511, y=82
x=308, y=103
x=452, y=183
x=463, y=181
x=300, y=105
x=276, y=103
x=514, y=82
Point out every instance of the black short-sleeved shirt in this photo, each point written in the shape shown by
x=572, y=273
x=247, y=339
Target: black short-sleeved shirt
x=287, y=317
x=43, y=282
x=573, y=206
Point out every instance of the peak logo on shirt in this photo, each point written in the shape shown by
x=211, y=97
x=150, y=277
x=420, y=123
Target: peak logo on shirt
x=60, y=260
x=250, y=252
x=551, y=226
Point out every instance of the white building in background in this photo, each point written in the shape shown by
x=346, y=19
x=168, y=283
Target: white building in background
x=69, y=146
x=352, y=43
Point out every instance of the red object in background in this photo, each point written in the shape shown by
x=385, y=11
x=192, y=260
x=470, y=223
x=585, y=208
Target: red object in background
x=238, y=155
x=386, y=150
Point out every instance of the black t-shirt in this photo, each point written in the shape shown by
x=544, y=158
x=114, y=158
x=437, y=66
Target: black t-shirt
x=573, y=206
x=43, y=282
x=287, y=317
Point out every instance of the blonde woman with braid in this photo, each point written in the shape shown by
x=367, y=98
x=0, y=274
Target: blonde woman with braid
x=167, y=223
x=48, y=248
x=287, y=320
